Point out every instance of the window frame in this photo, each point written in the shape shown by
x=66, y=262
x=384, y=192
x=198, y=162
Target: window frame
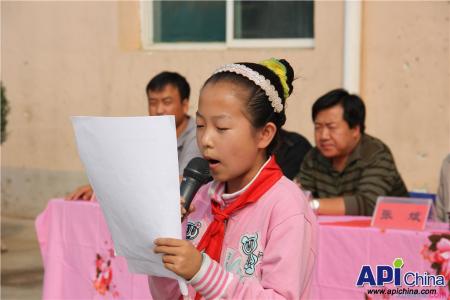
x=146, y=10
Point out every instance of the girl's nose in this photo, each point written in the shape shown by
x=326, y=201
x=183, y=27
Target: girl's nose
x=206, y=139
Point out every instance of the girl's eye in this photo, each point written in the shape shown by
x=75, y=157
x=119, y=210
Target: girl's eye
x=200, y=126
x=222, y=128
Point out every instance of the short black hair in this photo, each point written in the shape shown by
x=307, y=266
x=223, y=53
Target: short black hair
x=354, y=108
x=158, y=82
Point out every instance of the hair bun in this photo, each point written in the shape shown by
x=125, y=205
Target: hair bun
x=289, y=74
x=284, y=72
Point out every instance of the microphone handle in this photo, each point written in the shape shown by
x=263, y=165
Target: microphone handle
x=188, y=188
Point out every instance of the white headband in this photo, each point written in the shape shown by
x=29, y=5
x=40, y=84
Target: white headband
x=259, y=80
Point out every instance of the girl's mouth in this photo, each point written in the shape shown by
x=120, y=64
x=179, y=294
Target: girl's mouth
x=213, y=163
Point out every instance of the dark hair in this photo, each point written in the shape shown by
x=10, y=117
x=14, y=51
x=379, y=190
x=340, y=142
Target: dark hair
x=160, y=81
x=354, y=108
x=259, y=109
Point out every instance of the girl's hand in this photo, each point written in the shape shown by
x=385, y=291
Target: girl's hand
x=185, y=213
x=179, y=256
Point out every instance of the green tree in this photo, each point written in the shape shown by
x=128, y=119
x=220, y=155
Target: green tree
x=4, y=111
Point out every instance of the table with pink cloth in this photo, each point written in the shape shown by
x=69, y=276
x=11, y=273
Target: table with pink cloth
x=79, y=260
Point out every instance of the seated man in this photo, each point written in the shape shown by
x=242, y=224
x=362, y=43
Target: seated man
x=443, y=194
x=167, y=94
x=348, y=169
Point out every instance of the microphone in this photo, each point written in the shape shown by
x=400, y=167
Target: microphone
x=195, y=175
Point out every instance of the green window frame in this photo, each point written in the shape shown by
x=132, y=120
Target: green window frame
x=227, y=23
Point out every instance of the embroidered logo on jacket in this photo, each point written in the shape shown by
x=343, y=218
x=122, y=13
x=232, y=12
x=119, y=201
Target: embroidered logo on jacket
x=249, y=245
x=233, y=262
x=192, y=230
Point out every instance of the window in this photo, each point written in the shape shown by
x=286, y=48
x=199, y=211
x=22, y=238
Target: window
x=228, y=23
x=188, y=21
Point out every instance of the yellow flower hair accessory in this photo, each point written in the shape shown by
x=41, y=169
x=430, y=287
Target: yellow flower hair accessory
x=280, y=70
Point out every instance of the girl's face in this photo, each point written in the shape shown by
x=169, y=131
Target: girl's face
x=234, y=148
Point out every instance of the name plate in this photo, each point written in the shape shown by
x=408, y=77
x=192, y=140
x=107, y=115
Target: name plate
x=401, y=213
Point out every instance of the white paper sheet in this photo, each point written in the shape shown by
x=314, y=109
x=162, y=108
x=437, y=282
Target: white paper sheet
x=132, y=164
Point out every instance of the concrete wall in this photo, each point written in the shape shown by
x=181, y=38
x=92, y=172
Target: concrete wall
x=83, y=58
x=406, y=84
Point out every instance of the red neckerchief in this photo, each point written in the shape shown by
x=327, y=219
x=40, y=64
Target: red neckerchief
x=212, y=239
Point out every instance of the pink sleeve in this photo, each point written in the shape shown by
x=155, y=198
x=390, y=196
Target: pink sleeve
x=286, y=267
x=163, y=288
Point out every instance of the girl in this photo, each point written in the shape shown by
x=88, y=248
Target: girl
x=252, y=234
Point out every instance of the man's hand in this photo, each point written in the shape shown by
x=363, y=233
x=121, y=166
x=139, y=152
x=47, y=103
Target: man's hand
x=332, y=206
x=179, y=256
x=82, y=193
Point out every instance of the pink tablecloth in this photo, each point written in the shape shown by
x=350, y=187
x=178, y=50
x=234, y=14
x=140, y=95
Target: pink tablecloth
x=344, y=249
x=79, y=262
x=72, y=235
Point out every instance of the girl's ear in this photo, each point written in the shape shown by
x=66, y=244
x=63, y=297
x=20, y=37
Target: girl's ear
x=266, y=135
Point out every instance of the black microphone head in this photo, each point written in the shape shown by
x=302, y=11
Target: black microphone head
x=198, y=168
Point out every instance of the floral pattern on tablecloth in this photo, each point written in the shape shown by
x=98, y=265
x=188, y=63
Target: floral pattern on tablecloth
x=437, y=252
x=103, y=281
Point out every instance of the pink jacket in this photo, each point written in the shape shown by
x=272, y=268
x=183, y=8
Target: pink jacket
x=268, y=251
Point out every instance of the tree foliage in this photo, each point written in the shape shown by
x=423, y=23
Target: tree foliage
x=4, y=112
